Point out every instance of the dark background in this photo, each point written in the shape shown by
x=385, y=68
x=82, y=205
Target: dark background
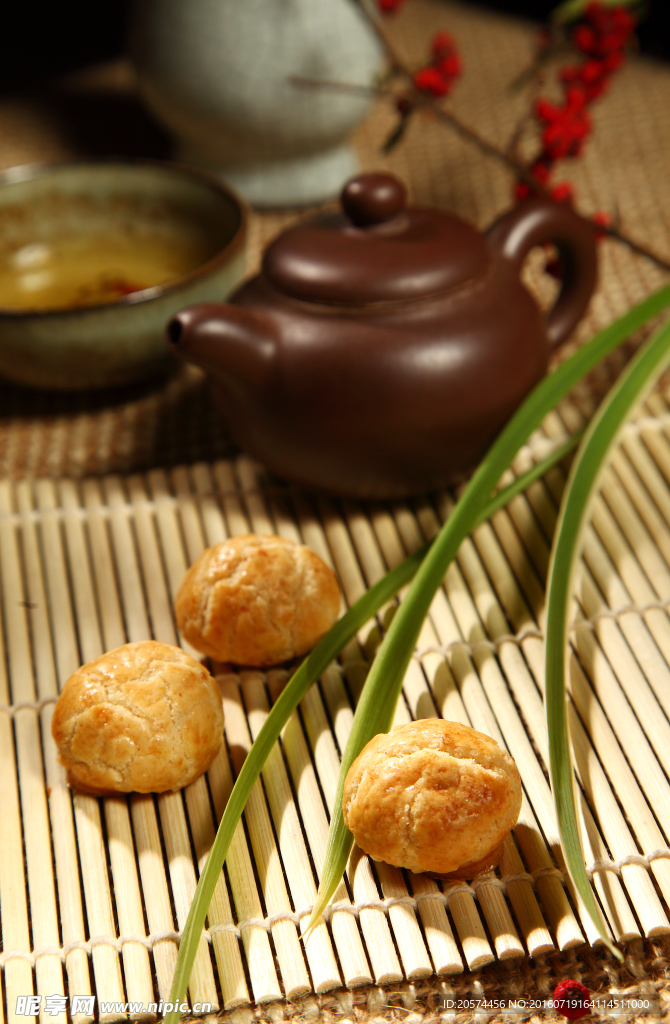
x=40, y=40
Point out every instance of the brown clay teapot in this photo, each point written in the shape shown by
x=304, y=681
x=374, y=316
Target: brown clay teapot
x=381, y=349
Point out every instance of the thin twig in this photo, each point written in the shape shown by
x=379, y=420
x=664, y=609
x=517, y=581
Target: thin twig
x=487, y=147
x=637, y=247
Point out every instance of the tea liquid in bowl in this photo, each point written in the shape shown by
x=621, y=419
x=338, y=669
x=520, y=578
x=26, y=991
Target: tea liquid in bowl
x=68, y=272
x=96, y=257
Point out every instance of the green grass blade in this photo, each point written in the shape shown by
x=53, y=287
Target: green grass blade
x=380, y=693
x=583, y=484
x=347, y=627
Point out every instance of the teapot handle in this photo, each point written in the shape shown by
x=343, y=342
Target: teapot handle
x=542, y=220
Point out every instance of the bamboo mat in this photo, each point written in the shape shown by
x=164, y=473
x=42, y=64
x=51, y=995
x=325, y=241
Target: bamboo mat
x=94, y=892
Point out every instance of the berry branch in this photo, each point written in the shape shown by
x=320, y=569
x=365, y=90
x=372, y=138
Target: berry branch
x=600, y=39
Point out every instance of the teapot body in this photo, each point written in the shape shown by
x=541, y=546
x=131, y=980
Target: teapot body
x=379, y=351
x=390, y=400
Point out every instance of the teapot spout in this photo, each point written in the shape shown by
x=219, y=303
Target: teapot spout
x=224, y=340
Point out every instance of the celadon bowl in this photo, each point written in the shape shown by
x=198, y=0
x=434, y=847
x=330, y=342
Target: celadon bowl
x=81, y=247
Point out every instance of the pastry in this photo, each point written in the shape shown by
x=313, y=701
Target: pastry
x=433, y=796
x=143, y=718
x=258, y=601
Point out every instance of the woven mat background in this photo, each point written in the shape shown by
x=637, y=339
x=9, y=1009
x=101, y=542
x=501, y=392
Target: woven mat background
x=168, y=422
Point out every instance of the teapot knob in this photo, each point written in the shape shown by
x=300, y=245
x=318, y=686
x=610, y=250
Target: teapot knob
x=373, y=198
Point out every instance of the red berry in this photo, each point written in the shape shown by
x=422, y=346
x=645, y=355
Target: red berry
x=594, y=10
x=438, y=77
x=563, y=193
x=623, y=19
x=575, y=99
x=598, y=16
x=592, y=71
x=389, y=6
x=431, y=80
x=540, y=172
x=594, y=91
x=572, y=999
x=603, y=30
x=565, y=127
x=604, y=220
x=545, y=110
x=613, y=61
x=450, y=66
x=610, y=41
x=522, y=191
x=442, y=45
x=584, y=38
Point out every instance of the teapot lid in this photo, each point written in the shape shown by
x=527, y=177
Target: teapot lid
x=376, y=250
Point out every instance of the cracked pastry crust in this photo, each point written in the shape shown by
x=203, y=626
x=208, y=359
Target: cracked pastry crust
x=144, y=718
x=258, y=601
x=433, y=796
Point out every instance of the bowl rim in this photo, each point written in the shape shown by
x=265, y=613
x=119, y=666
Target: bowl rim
x=41, y=169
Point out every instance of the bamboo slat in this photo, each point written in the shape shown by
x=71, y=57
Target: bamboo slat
x=15, y=932
x=183, y=879
x=92, y=853
x=128, y=614
x=63, y=836
x=266, y=857
x=35, y=822
x=240, y=868
x=86, y=567
x=128, y=905
x=322, y=963
x=350, y=949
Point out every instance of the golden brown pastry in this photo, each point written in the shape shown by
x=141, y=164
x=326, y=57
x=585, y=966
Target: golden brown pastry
x=433, y=796
x=144, y=718
x=257, y=601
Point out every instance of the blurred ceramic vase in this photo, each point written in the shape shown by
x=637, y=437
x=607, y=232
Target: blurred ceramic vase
x=217, y=73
